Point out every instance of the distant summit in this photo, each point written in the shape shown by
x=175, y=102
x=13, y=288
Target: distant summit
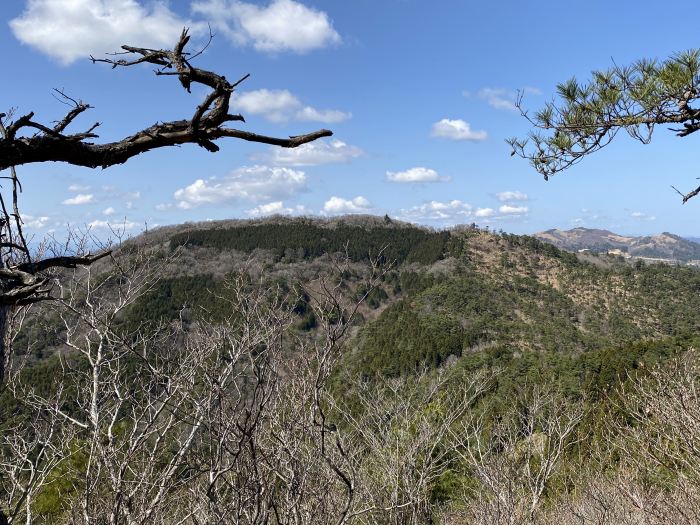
x=665, y=246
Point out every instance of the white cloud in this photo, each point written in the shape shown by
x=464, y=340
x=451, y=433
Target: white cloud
x=124, y=225
x=279, y=105
x=276, y=105
x=457, y=211
x=35, y=222
x=276, y=208
x=80, y=198
x=164, y=206
x=507, y=209
x=312, y=154
x=642, y=216
x=336, y=205
x=457, y=130
x=108, y=211
x=327, y=116
x=418, y=174
x=67, y=30
x=484, y=212
x=454, y=210
x=505, y=196
x=282, y=25
x=270, y=208
x=78, y=187
x=499, y=98
x=253, y=183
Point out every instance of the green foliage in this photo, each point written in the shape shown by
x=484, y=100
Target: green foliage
x=414, y=341
x=50, y=503
x=585, y=117
x=536, y=246
x=513, y=305
x=173, y=297
x=505, y=305
x=307, y=241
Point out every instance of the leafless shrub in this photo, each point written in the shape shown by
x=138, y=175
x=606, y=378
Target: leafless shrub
x=514, y=456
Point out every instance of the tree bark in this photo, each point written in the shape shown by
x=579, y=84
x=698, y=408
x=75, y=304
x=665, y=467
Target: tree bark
x=4, y=358
x=4, y=353
x=51, y=143
x=41, y=148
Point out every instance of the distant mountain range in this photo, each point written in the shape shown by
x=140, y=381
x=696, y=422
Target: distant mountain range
x=663, y=246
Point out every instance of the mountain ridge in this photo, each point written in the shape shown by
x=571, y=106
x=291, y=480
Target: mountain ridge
x=665, y=246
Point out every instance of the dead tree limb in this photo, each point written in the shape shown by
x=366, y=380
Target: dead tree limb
x=24, y=140
x=207, y=124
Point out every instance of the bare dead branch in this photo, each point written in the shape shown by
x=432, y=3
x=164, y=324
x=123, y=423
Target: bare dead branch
x=205, y=126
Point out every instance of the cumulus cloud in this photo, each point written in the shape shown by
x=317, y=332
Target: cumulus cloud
x=312, y=154
x=457, y=211
x=276, y=208
x=418, y=174
x=328, y=116
x=80, y=198
x=109, y=211
x=506, y=196
x=508, y=209
x=282, y=25
x=78, y=187
x=279, y=105
x=484, y=212
x=67, y=30
x=252, y=183
x=36, y=222
x=337, y=205
x=276, y=105
x=438, y=211
x=457, y=130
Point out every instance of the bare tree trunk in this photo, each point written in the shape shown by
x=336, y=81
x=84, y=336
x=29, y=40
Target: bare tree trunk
x=5, y=314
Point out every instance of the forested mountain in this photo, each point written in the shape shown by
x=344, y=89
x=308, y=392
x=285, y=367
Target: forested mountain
x=448, y=339
x=448, y=292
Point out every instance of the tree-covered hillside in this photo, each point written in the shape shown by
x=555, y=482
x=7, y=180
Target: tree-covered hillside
x=303, y=240
x=446, y=369
x=525, y=295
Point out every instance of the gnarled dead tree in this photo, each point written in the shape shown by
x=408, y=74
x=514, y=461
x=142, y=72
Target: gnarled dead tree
x=24, y=280
x=207, y=123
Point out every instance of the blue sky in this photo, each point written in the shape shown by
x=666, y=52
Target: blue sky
x=419, y=96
